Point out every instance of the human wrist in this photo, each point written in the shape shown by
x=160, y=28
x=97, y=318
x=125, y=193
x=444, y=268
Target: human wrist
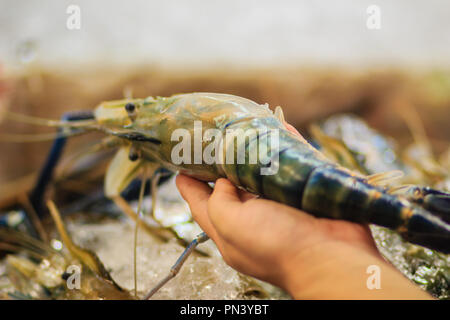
x=339, y=271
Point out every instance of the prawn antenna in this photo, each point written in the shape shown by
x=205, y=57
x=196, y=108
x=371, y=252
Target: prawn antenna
x=25, y=138
x=90, y=122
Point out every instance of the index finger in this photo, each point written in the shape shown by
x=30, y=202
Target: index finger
x=196, y=193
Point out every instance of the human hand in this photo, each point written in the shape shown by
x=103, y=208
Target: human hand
x=305, y=255
x=263, y=238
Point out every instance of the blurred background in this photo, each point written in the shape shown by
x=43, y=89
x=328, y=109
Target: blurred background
x=257, y=33
x=374, y=76
x=314, y=58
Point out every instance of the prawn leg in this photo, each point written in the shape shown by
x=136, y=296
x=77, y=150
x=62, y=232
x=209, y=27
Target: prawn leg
x=87, y=257
x=202, y=237
x=121, y=171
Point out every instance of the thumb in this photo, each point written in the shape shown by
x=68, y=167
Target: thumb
x=224, y=204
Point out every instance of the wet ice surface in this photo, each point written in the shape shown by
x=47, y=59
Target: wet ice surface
x=202, y=277
x=210, y=277
x=427, y=268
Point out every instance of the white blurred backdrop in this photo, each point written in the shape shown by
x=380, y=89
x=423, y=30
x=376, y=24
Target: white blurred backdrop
x=205, y=33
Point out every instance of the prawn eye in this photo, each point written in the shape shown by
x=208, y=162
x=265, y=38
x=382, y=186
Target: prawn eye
x=131, y=110
x=134, y=154
x=130, y=107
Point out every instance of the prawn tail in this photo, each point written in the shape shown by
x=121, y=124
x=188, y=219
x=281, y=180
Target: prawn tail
x=305, y=179
x=334, y=193
x=426, y=229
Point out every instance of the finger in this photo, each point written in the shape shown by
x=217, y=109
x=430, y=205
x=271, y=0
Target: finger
x=223, y=207
x=196, y=194
x=245, y=196
x=241, y=259
x=227, y=190
x=235, y=258
x=224, y=197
